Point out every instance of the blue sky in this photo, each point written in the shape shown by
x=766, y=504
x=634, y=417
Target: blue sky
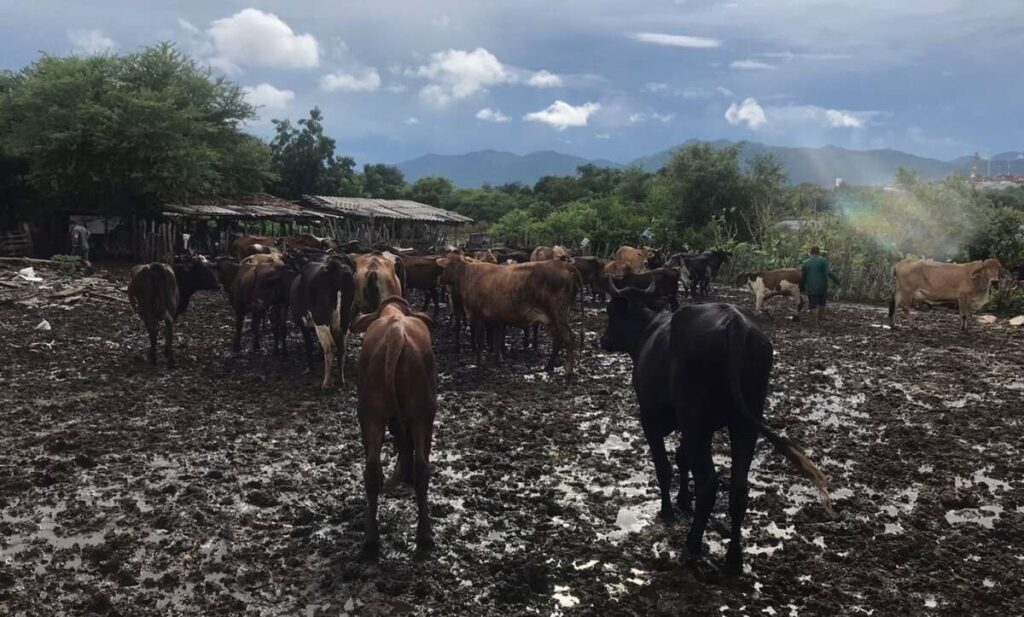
x=610, y=79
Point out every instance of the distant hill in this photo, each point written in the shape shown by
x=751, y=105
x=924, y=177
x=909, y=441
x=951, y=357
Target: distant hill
x=815, y=165
x=823, y=165
x=491, y=166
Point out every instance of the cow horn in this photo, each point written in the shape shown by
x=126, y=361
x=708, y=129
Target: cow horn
x=613, y=291
x=650, y=288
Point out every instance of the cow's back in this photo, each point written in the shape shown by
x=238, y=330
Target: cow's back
x=153, y=291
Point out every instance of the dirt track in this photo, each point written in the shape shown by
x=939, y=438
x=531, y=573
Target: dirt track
x=233, y=485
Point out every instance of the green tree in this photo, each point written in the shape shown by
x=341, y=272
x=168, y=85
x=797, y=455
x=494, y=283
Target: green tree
x=383, y=181
x=114, y=133
x=701, y=181
x=305, y=162
x=433, y=190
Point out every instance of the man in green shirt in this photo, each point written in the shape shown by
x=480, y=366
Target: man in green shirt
x=814, y=276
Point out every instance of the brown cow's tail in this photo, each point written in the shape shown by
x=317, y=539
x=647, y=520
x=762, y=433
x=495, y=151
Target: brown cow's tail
x=372, y=291
x=783, y=445
x=394, y=343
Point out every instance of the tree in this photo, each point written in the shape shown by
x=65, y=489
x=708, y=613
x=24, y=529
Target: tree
x=305, y=162
x=433, y=190
x=115, y=133
x=764, y=182
x=701, y=181
x=383, y=181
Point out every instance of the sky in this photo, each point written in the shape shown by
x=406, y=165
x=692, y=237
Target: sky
x=610, y=79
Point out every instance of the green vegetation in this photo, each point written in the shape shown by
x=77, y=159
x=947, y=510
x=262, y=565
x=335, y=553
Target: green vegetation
x=120, y=133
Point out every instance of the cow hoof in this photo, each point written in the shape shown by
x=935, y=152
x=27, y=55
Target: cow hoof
x=370, y=552
x=667, y=516
x=703, y=570
x=424, y=547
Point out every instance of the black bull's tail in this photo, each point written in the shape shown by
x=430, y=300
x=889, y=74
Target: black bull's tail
x=782, y=445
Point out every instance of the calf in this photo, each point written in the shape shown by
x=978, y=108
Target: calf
x=700, y=369
x=932, y=282
x=591, y=272
x=766, y=285
x=697, y=269
x=376, y=277
x=160, y=293
x=397, y=385
x=518, y=295
x=321, y=297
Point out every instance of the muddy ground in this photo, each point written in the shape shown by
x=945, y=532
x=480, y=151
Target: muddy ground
x=233, y=485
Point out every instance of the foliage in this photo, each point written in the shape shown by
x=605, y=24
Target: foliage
x=383, y=181
x=115, y=132
x=67, y=265
x=433, y=190
x=305, y=163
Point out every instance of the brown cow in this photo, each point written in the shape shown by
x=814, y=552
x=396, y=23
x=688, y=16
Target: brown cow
x=376, y=278
x=591, y=271
x=302, y=242
x=160, y=293
x=253, y=245
x=485, y=256
x=397, y=383
x=545, y=253
x=932, y=282
x=766, y=285
x=422, y=272
x=518, y=295
x=662, y=283
x=636, y=258
x=259, y=287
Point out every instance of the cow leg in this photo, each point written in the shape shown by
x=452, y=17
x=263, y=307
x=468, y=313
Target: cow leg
x=236, y=345
x=556, y=346
x=536, y=331
x=341, y=352
x=965, y=311
x=169, y=342
x=307, y=341
x=424, y=534
x=526, y=339
x=256, y=323
x=152, y=329
x=741, y=442
x=373, y=477
x=498, y=343
x=662, y=471
x=569, y=342
x=683, y=499
x=705, y=484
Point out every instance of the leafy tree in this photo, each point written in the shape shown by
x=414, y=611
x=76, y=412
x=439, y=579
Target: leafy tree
x=558, y=190
x=700, y=181
x=383, y=181
x=513, y=228
x=305, y=162
x=433, y=190
x=114, y=133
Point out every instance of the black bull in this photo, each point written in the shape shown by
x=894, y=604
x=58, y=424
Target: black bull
x=697, y=370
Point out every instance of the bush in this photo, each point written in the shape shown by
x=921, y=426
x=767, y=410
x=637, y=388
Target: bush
x=67, y=265
x=1008, y=301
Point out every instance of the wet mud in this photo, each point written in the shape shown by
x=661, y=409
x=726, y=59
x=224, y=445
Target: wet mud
x=233, y=484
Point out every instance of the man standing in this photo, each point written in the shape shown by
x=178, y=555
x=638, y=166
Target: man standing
x=80, y=242
x=814, y=276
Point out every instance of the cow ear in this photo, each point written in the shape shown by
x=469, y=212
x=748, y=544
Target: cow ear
x=431, y=325
x=361, y=323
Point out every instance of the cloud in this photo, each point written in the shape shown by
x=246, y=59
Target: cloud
x=252, y=37
x=411, y=120
x=562, y=115
x=644, y=117
x=265, y=95
x=188, y=26
x=396, y=87
x=789, y=117
x=91, y=42
x=491, y=115
x=457, y=74
x=675, y=40
x=723, y=91
x=544, y=79
x=749, y=113
x=367, y=81
x=751, y=65
x=603, y=136
x=656, y=87
x=789, y=55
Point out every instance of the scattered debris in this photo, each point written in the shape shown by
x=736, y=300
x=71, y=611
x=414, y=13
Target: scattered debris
x=1017, y=321
x=44, y=326
x=987, y=319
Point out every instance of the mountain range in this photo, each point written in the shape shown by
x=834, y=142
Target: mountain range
x=814, y=165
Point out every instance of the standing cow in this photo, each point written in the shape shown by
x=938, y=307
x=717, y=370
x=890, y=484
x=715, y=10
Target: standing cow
x=160, y=293
x=397, y=390
x=700, y=369
x=321, y=297
x=377, y=276
x=636, y=258
x=768, y=284
x=932, y=282
x=518, y=295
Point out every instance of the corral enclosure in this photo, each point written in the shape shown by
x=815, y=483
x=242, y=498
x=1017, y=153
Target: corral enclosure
x=233, y=484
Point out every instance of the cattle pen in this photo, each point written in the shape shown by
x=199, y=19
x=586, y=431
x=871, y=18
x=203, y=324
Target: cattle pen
x=233, y=484
x=391, y=221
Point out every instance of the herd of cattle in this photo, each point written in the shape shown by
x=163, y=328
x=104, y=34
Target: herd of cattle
x=697, y=369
